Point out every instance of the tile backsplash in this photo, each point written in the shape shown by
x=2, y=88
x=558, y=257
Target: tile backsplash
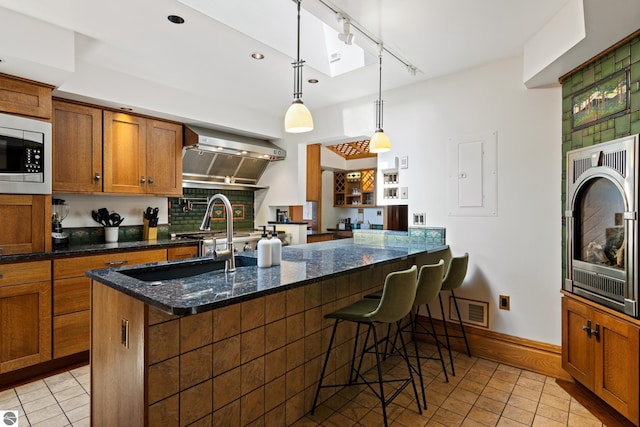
x=183, y=219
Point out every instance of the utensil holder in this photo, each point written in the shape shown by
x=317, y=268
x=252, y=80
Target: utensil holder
x=111, y=234
x=149, y=233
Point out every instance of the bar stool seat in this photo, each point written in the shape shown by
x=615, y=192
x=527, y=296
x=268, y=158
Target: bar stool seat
x=395, y=303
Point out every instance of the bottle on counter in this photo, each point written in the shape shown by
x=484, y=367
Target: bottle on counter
x=264, y=249
x=276, y=248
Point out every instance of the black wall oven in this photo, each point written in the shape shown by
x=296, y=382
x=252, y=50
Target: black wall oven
x=25, y=155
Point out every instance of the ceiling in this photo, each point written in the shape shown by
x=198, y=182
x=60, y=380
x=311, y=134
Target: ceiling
x=124, y=53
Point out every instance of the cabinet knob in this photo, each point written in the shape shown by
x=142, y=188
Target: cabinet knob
x=150, y=180
x=142, y=180
x=97, y=177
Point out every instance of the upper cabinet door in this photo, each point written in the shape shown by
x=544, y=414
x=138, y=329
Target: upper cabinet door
x=125, y=153
x=164, y=158
x=27, y=98
x=77, y=147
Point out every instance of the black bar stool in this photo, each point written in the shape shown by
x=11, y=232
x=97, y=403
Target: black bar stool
x=397, y=299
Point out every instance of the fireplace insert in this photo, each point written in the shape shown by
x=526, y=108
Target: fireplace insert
x=602, y=230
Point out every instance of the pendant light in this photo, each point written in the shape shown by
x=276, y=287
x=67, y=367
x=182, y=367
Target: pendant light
x=379, y=142
x=298, y=118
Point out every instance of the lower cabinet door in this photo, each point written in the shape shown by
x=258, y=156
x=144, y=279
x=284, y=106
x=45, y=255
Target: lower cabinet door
x=25, y=322
x=71, y=333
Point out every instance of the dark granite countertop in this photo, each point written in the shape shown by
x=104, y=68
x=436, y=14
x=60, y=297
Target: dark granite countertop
x=97, y=248
x=301, y=264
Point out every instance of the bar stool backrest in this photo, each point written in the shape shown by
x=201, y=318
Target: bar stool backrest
x=398, y=294
x=456, y=272
x=429, y=283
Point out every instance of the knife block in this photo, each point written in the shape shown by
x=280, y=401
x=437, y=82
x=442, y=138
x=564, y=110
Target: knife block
x=149, y=233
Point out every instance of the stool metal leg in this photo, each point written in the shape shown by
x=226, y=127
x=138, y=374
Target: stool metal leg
x=464, y=335
x=446, y=333
x=379, y=368
x=433, y=329
x=324, y=366
x=415, y=346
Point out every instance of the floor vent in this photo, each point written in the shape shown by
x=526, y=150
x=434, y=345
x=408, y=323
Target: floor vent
x=472, y=312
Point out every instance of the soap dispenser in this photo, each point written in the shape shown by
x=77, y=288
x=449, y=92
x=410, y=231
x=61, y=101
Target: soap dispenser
x=264, y=249
x=276, y=248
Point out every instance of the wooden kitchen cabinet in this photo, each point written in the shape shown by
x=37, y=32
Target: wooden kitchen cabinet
x=25, y=97
x=77, y=147
x=314, y=173
x=600, y=350
x=354, y=188
x=182, y=252
x=26, y=224
x=25, y=314
x=141, y=156
x=71, y=295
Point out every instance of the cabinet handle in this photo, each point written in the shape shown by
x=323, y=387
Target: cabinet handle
x=596, y=332
x=587, y=328
x=142, y=180
x=150, y=180
x=1, y=276
x=97, y=177
x=113, y=263
x=1, y=250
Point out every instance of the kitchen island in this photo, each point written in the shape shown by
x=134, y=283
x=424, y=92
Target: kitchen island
x=221, y=348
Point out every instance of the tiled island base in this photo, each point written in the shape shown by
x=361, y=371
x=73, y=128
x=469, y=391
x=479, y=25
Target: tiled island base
x=254, y=362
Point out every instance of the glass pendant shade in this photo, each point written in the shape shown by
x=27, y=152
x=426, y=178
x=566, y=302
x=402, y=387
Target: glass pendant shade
x=298, y=118
x=379, y=142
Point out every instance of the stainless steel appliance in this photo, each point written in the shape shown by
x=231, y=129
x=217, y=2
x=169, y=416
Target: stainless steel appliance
x=25, y=155
x=214, y=159
x=602, y=224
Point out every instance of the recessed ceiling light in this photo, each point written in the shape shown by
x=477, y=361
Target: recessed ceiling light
x=313, y=81
x=257, y=55
x=175, y=19
x=1, y=60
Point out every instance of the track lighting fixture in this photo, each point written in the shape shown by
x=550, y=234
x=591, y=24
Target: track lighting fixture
x=298, y=118
x=346, y=35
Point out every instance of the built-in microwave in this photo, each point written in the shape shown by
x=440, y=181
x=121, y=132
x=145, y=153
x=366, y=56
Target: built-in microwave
x=25, y=155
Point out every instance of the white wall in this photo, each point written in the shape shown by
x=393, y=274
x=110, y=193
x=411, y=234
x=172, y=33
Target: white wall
x=517, y=252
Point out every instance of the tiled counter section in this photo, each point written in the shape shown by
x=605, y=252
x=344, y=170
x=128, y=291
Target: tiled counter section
x=250, y=359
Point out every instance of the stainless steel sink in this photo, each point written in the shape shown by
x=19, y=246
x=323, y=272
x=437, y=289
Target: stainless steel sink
x=158, y=274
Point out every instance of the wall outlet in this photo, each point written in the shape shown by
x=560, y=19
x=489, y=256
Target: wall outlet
x=504, y=302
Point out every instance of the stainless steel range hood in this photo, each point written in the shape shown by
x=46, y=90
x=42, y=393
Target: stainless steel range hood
x=210, y=158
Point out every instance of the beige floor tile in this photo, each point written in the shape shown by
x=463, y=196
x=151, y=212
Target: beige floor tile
x=490, y=405
x=561, y=403
x=530, y=383
x=56, y=421
x=506, y=422
x=552, y=413
x=533, y=375
x=457, y=406
x=6, y=394
x=38, y=404
x=541, y=421
x=85, y=422
x=576, y=408
x=78, y=413
x=464, y=395
x=551, y=387
x=495, y=394
x=505, y=386
x=447, y=418
x=75, y=402
x=47, y=413
x=29, y=387
x=9, y=400
x=483, y=416
x=68, y=393
x=33, y=394
x=522, y=403
x=508, y=368
x=518, y=414
x=525, y=392
x=576, y=420
x=506, y=376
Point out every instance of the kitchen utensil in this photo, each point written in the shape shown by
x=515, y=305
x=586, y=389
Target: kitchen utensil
x=96, y=217
x=104, y=217
x=115, y=219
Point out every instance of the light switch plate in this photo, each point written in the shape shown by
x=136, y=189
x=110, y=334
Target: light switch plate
x=404, y=192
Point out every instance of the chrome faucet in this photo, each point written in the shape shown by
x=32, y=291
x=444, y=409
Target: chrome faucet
x=206, y=223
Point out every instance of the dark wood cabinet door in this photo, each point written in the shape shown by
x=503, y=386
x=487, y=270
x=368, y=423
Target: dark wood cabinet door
x=164, y=158
x=125, y=153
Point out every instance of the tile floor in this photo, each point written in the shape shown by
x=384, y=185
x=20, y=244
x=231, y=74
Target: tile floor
x=483, y=393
